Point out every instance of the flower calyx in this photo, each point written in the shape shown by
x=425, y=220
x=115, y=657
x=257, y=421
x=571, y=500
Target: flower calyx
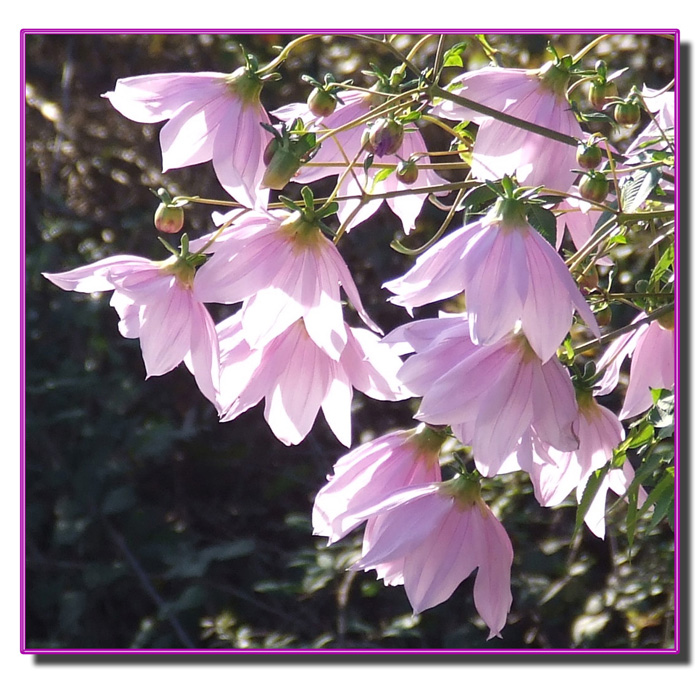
x=465, y=489
x=305, y=223
x=245, y=83
x=286, y=152
x=182, y=264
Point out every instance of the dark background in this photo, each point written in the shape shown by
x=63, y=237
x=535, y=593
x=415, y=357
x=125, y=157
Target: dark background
x=149, y=524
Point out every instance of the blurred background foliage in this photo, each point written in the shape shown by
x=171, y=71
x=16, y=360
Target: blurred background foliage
x=151, y=525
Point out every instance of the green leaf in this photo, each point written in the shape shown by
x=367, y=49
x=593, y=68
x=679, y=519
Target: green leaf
x=638, y=187
x=194, y=564
x=453, y=57
x=382, y=174
x=665, y=262
x=662, y=414
x=592, y=486
x=661, y=498
x=544, y=221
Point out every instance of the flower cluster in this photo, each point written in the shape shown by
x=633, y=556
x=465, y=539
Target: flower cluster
x=497, y=377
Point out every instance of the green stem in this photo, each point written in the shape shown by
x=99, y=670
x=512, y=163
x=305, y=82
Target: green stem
x=659, y=312
x=282, y=56
x=386, y=108
x=416, y=252
x=585, y=50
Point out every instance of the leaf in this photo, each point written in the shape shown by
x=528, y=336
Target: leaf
x=382, y=174
x=592, y=487
x=194, y=564
x=661, y=498
x=453, y=57
x=544, y=221
x=118, y=500
x=665, y=262
x=662, y=414
x=638, y=187
x=477, y=198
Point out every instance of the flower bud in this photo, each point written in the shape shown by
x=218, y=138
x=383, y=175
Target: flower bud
x=599, y=93
x=385, y=137
x=321, y=103
x=169, y=218
x=604, y=316
x=407, y=172
x=588, y=156
x=282, y=166
x=627, y=114
x=594, y=187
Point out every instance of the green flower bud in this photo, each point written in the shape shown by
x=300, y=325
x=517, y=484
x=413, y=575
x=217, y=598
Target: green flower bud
x=594, y=187
x=599, y=94
x=169, y=218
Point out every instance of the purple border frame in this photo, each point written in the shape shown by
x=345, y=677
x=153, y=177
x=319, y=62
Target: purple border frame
x=273, y=652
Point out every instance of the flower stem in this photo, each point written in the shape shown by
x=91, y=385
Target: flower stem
x=658, y=313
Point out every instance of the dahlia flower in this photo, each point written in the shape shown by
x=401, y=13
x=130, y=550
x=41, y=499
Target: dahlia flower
x=283, y=268
x=652, y=348
x=297, y=378
x=373, y=471
x=433, y=536
x=211, y=116
x=156, y=304
x=489, y=395
x=501, y=149
x=509, y=274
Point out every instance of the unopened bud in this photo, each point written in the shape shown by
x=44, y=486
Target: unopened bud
x=169, y=218
x=385, y=137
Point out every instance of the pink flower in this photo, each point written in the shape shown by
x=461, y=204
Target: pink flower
x=490, y=395
x=432, y=537
x=509, y=274
x=297, y=378
x=555, y=474
x=156, y=304
x=652, y=347
x=211, y=116
x=501, y=149
x=346, y=145
x=283, y=268
x=373, y=471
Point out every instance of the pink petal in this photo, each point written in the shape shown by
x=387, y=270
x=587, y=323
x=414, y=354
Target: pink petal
x=95, y=276
x=433, y=571
x=157, y=97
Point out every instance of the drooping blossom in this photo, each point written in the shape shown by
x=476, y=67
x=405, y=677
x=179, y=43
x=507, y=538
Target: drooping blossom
x=283, y=268
x=501, y=149
x=489, y=395
x=652, y=348
x=431, y=537
x=297, y=378
x=508, y=272
x=211, y=116
x=371, y=472
x=156, y=304
x=346, y=145
x=555, y=474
